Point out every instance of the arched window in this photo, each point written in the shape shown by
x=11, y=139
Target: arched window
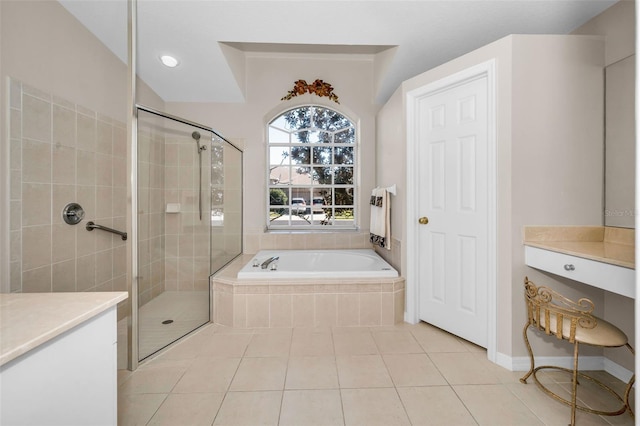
x=311, y=152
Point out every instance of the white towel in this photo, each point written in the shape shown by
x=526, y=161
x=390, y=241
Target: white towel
x=380, y=227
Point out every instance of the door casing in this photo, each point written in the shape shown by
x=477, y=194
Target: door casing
x=412, y=275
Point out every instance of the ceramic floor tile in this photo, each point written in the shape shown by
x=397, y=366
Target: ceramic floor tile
x=123, y=375
x=187, y=349
x=271, y=344
x=191, y=346
x=222, y=344
x=362, y=371
x=548, y=376
x=349, y=330
x=373, y=407
x=193, y=409
x=396, y=342
x=354, y=343
x=249, y=408
x=472, y=347
x=613, y=382
x=495, y=405
x=306, y=330
x=502, y=374
x=138, y=409
x=413, y=370
x=158, y=376
x=312, y=344
x=312, y=373
x=434, y=405
x=624, y=419
x=549, y=411
x=311, y=408
x=403, y=326
x=256, y=374
x=186, y=383
x=225, y=329
x=273, y=330
x=433, y=339
x=208, y=375
x=463, y=368
x=593, y=396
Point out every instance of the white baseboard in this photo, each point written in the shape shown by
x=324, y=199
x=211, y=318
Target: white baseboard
x=586, y=363
x=617, y=371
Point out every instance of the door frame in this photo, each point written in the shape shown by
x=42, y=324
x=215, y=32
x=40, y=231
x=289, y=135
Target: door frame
x=412, y=276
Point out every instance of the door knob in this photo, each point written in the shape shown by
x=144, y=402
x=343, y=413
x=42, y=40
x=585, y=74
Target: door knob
x=423, y=220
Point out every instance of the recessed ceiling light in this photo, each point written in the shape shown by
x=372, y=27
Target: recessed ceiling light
x=169, y=61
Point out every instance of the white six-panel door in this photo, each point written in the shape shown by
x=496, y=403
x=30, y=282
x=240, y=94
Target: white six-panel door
x=452, y=134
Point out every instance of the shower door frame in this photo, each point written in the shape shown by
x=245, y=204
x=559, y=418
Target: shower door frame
x=132, y=329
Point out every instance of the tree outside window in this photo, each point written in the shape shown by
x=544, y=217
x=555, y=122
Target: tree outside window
x=312, y=160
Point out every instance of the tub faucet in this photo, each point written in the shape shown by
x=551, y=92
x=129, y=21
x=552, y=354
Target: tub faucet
x=268, y=262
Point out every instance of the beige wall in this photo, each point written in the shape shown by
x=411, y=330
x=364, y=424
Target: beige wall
x=390, y=152
x=539, y=130
x=268, y=79
x=557, y=151
x=522, y=183
x=68, y=144
x=46, y=47
x=618, y=25
x=516, y=123
x=68, y=114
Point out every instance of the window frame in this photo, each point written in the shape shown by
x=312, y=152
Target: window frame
x=296, y=222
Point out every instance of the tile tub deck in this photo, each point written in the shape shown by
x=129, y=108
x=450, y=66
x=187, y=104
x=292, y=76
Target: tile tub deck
x=304, y=303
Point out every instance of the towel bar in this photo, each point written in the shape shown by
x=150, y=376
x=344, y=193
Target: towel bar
x=391, y=189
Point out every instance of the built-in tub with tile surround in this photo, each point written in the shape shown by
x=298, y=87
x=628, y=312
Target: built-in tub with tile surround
x=329, y=298
x=298, y=264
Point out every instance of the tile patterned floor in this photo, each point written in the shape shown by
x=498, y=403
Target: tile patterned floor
x=401, y=375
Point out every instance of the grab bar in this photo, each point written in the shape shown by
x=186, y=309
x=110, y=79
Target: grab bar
x=91, y=226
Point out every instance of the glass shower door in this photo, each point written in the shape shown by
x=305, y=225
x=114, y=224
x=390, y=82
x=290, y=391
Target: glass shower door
x=174, y=229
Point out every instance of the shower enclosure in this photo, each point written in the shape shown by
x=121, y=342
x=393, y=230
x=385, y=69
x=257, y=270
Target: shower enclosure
x=189, y=225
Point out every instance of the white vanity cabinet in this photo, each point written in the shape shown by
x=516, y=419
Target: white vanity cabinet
x=613, y=278
x=59, y=359
x=601, y=257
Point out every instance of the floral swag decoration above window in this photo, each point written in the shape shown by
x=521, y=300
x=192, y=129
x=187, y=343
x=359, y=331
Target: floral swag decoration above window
x=318, y=87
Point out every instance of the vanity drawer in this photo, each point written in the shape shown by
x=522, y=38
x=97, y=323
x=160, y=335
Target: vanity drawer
x=606, y=276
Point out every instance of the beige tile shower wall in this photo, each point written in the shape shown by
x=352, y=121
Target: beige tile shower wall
x=151, y=223
x=256, y=240
x=62, y=153
x=393, y=256
x=187, y=236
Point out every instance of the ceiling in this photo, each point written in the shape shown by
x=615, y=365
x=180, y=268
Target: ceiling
x=403, y=38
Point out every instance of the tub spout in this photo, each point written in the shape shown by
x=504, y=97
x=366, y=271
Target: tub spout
x=268, y=262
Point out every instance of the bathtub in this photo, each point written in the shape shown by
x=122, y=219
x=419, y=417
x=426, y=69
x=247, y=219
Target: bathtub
x=308, y=288
x=301, y=264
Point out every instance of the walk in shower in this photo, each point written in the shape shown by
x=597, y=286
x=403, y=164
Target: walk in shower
x=189, y=224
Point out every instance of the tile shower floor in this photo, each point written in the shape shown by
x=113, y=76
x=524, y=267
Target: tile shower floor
x=187, y=310
x=400, y=375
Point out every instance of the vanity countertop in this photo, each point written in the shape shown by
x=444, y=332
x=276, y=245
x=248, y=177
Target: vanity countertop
x=27, y=320
x=603, y=244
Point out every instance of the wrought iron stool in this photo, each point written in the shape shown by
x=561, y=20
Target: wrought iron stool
x=552, y=313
